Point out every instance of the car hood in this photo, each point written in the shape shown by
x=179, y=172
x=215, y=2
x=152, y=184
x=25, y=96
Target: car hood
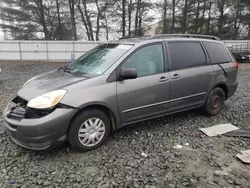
x=46, y=82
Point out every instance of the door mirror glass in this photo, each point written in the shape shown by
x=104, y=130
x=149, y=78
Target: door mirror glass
x=128, y=73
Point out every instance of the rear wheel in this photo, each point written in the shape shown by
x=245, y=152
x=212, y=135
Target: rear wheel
x=89, y=130
x=215, y=102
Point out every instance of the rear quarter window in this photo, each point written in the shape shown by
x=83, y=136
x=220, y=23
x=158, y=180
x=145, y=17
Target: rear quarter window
x=217, y=52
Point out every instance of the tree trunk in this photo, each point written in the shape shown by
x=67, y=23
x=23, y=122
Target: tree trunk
x=203, y=15
x=42, y=18
x=137, y=16
x=209, y=17
x=237, y=21
x=173, y=17
x=221, y=6
x=97, y=21
x=197, y=17
x=106, y=26
x=72, y=16
x=184, y=20
x=140, y=26
x=84, y=20
x=59, y=20
x=88, y=20
x=129, y=17
x=165, y=17
x=141, y=11
x=123, y=18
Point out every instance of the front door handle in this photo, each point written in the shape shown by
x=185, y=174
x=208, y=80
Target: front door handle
x=163, y=79
x=175, y=77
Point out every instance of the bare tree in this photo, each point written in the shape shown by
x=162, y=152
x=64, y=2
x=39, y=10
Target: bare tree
x=197, y=16
x=40, y=5
x=173, y=16
x=165, y=16
x=59, y=20
x=184, y=19
x=221, y=7
x=129, y=16
x=209, y=16
x=124, y=17
x=72, y=16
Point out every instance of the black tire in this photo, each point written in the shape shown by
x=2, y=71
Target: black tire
x=78, y=121
x=215, y=102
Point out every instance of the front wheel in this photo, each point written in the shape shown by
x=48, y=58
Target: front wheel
x=215, y=102
x=89, y=130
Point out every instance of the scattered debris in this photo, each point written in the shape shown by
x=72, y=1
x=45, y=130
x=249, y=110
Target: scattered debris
x=239, y=133
x=12, y=181
x=144, y=154
x=186, y=144
x=218, y=129
x=178, y=146
x=195, y=134
x=244, y=156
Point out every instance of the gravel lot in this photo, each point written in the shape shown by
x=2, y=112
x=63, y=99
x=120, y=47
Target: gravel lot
x=141, y=155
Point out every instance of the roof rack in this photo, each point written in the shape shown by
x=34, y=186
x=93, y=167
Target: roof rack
x=132, y=37
x=185, y=35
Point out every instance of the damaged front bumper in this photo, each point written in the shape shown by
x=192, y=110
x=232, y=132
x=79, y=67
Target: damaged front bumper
x=37, y=129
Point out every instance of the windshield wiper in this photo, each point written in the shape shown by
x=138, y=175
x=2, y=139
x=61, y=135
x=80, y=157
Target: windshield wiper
x=68, y=70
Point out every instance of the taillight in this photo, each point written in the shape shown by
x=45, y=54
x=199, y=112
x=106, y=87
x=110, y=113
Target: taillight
x=236, y=65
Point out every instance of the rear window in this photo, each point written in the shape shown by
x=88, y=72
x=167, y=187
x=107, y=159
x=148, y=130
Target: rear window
x=217, y=52
x=186, y=54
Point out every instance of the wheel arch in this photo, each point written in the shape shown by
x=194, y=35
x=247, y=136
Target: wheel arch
x=114, y=119
x=224, y=87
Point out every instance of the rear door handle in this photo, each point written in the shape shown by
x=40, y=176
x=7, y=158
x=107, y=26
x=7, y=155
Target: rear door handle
x=163, y=79
x=175, y=77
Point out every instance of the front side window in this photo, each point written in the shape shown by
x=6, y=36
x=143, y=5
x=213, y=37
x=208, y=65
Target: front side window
x=186, y=54
x=147, y=60
x=98, y=60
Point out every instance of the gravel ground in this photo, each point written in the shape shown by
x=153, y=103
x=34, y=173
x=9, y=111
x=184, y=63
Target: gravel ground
x=141, y=155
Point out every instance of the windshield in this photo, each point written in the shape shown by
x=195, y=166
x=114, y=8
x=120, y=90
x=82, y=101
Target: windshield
x=98, y=60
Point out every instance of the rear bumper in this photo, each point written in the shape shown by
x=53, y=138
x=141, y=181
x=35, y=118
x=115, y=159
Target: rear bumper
x=40, y=133
x=232, y=89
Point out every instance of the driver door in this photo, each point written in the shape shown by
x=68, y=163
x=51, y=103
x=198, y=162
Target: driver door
x=147, y=95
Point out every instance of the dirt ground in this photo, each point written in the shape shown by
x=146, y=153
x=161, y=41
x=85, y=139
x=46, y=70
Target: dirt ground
x=140, y=155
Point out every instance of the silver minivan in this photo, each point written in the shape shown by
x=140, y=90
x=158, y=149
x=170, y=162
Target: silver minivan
x=119, y=83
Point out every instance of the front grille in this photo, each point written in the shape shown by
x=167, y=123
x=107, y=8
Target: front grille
x=37, y=113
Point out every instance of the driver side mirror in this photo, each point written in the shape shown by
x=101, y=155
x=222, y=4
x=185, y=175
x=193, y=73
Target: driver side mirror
x=128, y=73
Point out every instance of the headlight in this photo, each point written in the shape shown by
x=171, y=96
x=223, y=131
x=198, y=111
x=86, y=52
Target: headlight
x=47, y=100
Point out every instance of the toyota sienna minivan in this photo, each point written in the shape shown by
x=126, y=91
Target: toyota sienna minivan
x=119, y=83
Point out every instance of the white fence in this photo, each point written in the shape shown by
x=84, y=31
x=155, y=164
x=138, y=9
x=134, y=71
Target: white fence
x=57, y=50
x=43, y=50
